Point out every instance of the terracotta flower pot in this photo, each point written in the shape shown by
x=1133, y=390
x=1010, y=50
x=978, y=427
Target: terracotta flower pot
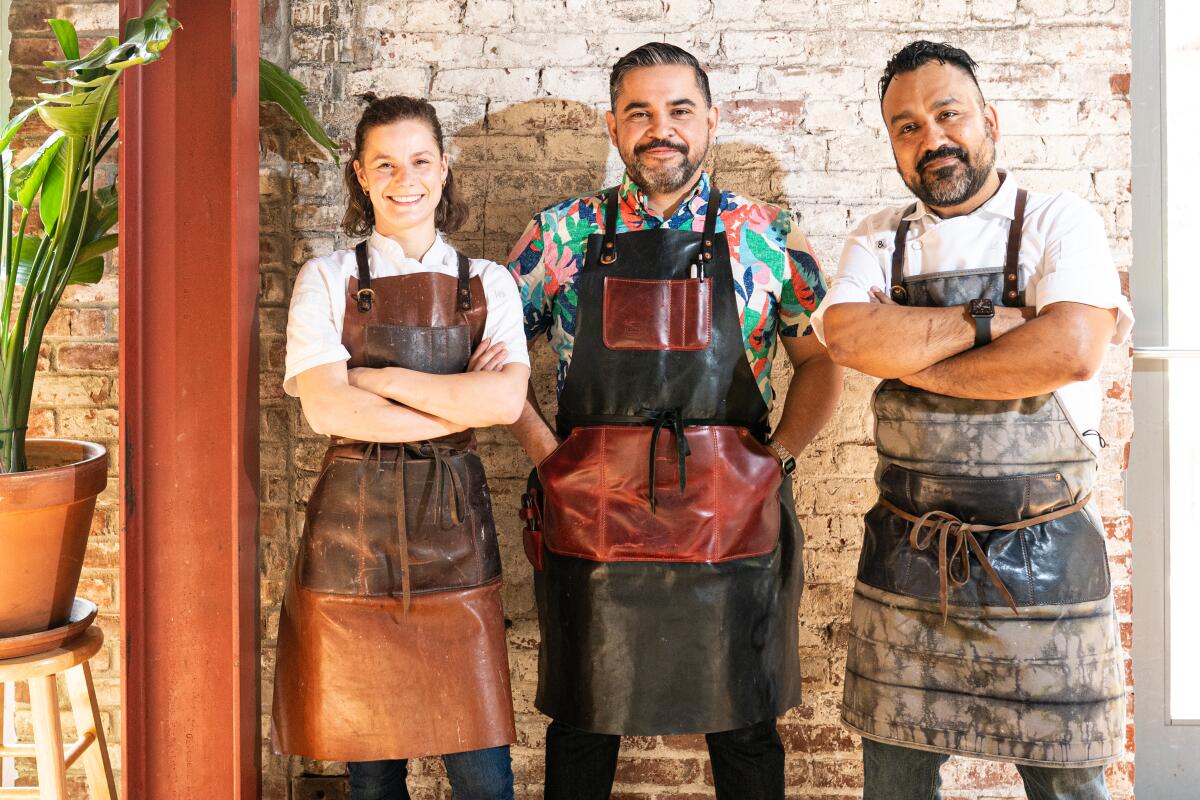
x=45, y=518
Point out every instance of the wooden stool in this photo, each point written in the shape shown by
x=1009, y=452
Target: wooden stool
x=40, y=671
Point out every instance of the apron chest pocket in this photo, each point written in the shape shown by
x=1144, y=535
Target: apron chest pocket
x=436, y=350
x=657, y=315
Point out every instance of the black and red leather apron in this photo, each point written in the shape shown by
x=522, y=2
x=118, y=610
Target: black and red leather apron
x=670, y=571
x=391, y=638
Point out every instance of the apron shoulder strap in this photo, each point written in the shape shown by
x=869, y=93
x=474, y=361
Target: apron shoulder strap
x=710, y=223
x=365, y=294
x=1013, y=295
x=899, y=293
x=612, y=201
x=464, y=282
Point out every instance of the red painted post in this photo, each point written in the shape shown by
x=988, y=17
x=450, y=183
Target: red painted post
x=189, y=410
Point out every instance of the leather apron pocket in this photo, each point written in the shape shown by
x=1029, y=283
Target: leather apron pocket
x=434, y=350
x=352, y=541
x=657, y=315
x=596, y=489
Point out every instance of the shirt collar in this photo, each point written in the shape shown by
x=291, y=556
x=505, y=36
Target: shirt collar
x=392, y=250
x=632, y=196
x=1001, y=204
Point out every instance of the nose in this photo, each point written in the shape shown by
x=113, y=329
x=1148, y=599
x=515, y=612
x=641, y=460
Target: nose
x=932, y=138
x=662, y=127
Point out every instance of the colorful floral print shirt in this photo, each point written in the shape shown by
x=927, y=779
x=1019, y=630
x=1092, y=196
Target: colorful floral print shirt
x=777, y=279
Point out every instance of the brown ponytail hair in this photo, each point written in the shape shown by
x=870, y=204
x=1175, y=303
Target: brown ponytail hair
x=359, y=219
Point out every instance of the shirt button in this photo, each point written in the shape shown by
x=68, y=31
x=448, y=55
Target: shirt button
x=916, y=245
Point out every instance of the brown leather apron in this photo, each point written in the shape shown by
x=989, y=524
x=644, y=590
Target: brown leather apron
x=391, y=638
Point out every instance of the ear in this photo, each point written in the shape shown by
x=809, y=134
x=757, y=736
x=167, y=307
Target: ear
x=991, y=121
x=610, y=120
x=713, y=115
x=361, y=174
x=445, y=168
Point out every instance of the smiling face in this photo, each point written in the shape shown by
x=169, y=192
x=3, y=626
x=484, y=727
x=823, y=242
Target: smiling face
x=661, y=126
x=943, y=135
x=402, y=170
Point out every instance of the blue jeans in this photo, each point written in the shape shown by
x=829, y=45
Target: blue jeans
x=474, y=775
x=904, y=773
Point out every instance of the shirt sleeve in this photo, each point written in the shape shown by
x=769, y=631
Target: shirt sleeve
x=803, y=284
x=504, y=316
x=528, y=269
x=314, y=333
x=1077, y=266
x=858, y=272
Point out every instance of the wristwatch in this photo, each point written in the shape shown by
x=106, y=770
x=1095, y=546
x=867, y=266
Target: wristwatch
x=981, y=310
x=786, y=459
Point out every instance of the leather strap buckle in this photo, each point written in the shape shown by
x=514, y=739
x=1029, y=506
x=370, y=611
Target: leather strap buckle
x=365, y=298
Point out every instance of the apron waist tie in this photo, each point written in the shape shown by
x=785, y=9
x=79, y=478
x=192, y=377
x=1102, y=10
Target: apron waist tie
x=956, y=541
x=440, y=464
x=674, y=420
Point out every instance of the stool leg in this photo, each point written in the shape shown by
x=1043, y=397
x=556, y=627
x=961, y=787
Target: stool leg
x=87, y=720
x=47, y=734
x=8, y=735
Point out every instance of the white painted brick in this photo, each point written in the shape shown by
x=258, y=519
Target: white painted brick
x=484, y=14
x=498, y=82
x=758, y=47
x=89, y=18
x=535, y=49
x=583, y=85
x=732, y=83
x=402, y=49
x=430, y=15
x=814, y=82
x=390, y=80
x=944, y=12
x=994, y=10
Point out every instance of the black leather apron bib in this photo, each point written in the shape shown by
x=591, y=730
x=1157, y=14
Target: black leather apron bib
x=982, y=621
x=671, y=565
x=391, y=637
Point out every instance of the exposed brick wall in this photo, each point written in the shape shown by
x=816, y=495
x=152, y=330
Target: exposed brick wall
x=76, y=393
x=520, y=87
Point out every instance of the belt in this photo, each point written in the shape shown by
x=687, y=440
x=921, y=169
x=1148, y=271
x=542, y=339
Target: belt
x=955, y=541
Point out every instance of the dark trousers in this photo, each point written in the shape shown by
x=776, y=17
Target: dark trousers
x=474, y=775
x=747, y=763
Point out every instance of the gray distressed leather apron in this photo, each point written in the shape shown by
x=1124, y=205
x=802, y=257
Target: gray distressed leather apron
x=982, y=622
x=391, y=637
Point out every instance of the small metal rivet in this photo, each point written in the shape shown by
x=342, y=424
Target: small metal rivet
x=609, y=245
x=1012, y=294
x=1058, y=476
x=708, y=256
x=708, y=242
x=1012, y=277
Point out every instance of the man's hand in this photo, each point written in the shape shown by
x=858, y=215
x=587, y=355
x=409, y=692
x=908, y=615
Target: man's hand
x=487, y=357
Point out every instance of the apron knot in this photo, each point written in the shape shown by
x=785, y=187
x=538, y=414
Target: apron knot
x=673, y=419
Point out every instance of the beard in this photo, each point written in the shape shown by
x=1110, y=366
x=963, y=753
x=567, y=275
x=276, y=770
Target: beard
x=955, y=183
x=663, y=178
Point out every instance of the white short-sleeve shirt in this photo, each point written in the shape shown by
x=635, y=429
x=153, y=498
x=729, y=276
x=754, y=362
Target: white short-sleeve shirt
x=314, y=328
x=1064, y=257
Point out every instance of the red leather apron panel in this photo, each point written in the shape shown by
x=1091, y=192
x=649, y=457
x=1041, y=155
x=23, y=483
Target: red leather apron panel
x=357, y=680
x=596, y=486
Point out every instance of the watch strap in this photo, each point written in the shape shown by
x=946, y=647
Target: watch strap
x=983, y=331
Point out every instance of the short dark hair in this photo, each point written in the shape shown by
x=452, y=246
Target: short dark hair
x=359, y=219
x=656, y=54
x=919, y=53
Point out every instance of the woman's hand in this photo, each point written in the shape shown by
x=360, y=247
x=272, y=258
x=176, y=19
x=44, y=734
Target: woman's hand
x=487, y=357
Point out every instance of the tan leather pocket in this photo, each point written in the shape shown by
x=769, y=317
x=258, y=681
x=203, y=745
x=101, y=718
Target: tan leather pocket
x=657, y=315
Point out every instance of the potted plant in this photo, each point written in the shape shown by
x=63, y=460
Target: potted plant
x=61, y=203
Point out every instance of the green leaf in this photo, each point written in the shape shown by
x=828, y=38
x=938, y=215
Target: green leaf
x=68, y=40
x=15, y=124
x=52, y=191
x=79, y=119
x=98, y=247
x=276, y=86
x=27, y=179
x=85, y=271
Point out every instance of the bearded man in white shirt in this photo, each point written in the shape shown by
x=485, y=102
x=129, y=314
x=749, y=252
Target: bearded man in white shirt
x=982, y=621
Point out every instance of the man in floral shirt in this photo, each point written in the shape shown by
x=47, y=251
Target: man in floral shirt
x=669, y=576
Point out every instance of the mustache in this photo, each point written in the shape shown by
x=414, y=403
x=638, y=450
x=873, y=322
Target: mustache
x=680, y=146
x=943, y=152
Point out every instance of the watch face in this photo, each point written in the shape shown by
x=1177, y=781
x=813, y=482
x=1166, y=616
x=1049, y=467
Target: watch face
x=981, y=308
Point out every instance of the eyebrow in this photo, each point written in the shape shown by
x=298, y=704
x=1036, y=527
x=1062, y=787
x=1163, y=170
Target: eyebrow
x=945, y=101
x=640, y=104
x=387, y=157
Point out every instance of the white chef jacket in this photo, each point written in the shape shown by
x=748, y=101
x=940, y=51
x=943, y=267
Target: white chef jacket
x=314, y=328
x=1064, y=257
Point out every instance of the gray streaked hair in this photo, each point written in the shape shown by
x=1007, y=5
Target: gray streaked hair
x=656, y=54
